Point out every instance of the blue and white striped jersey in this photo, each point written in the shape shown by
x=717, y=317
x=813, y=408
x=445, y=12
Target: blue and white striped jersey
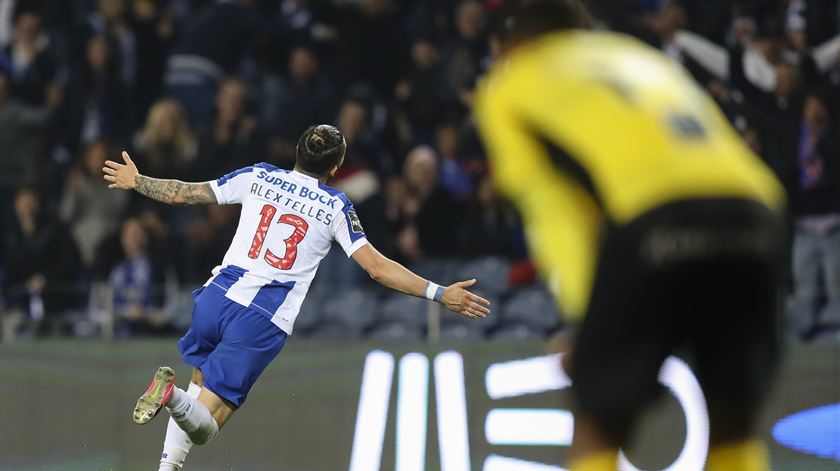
x=286, y=227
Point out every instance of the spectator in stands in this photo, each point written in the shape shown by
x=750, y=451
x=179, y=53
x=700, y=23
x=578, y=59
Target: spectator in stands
x=489, y=225
x=370, y=43
x=430, y=15
x=753, y=140
x=87, y=207
x=110, y=20
x=29, y=60
x=364, y=147
x=453, y=176
x=767, y=90
x=97, y=103
x=137, y=285
x=166, y=144
x=209, y=238
x=665, y=25
x=165, y=246
x=815, y=203
x=23, y=131
x=750, y=62
x=796, y=25
x=656, y=26
x=759, y=60
x=155, y=29
x=305, y=95
x=233, y=138
x=422, y=92
x=305, y=20
x=428, y=215
x=42, y=263
x=465, y=52
x=215, y=44
x=778, y=116
x=822, y=19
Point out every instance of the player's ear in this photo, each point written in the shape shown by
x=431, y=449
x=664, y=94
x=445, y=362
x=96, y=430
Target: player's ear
x=337, y=166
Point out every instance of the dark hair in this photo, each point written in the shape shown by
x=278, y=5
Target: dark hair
x=31, y=7
x=770, y=26
x=29, y=186
x=532, y=18
x=320, y=148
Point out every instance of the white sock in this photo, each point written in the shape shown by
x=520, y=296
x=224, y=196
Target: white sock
x=192, y=417
x=176, y=445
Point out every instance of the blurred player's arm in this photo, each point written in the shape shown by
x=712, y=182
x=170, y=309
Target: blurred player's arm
x=561, y=219
x=175, y=192
x=391, y=274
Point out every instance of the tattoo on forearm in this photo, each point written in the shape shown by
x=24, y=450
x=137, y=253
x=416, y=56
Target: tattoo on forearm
x=174, y=191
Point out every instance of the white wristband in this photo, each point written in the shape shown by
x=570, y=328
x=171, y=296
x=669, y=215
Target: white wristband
x=434, y=292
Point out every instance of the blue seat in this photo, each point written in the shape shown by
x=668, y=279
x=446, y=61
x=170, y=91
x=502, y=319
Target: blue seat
x=328, y=330
x=338, y=271
x=407, y=310
x=491, y=273
x=179, y=307
x=396, y=331
x=354, y=308
x=310, y=314
x=463, y=331
x=830, y=314
x=532, y=306
x=516, y=331
x=438, y=270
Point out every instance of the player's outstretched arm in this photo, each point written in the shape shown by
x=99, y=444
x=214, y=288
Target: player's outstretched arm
x=126, y=177
x=391, y=274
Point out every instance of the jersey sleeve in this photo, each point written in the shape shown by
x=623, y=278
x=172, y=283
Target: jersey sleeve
x=232, y=188
x=347, y=229
x=521, y=168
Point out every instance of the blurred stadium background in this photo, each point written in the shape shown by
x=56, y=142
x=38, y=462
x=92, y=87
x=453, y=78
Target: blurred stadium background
x=95, y=285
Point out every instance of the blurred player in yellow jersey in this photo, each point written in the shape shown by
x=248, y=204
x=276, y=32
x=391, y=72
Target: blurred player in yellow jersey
x=654, y=225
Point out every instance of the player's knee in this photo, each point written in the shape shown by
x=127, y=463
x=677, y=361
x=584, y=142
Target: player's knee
x=200, y=438
x=204, y=434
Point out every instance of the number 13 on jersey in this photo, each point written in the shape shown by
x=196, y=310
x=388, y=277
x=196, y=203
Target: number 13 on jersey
x=301, y=226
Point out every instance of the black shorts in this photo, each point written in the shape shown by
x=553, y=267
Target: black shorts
x=696, y=274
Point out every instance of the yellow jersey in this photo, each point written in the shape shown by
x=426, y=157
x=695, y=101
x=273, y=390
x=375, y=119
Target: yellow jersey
x=587, y=129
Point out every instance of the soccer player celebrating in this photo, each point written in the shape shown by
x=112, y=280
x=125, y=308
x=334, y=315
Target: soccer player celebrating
x=653, y=223
x=245, y=311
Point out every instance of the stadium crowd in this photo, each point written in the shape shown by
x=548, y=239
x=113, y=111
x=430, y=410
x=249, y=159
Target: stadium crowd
x=195, y=89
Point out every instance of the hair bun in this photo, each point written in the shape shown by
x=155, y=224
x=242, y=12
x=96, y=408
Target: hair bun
x=316, y=142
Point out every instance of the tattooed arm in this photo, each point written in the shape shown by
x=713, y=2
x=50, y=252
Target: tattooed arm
x=126, y=177
x=174, y=191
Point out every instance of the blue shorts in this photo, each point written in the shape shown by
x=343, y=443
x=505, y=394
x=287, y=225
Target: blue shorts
x=230, y=343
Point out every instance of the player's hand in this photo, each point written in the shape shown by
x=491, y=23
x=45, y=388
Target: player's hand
x=457, y=299
x=120, y=176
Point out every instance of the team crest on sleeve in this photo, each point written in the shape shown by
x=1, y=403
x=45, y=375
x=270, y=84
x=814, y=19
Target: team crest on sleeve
x=355, y=223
